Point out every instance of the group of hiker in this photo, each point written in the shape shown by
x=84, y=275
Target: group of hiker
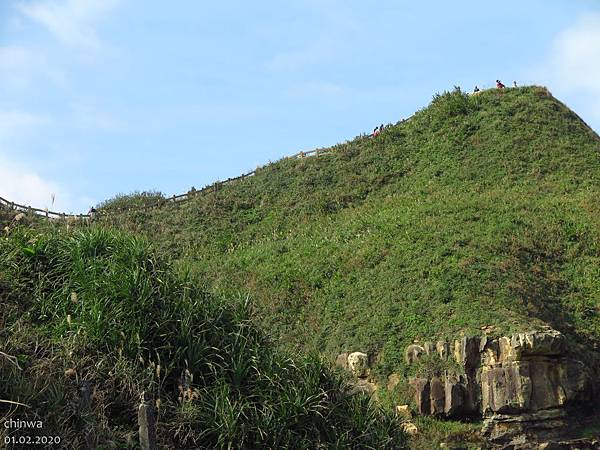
x=499, y=85
x=378, y=130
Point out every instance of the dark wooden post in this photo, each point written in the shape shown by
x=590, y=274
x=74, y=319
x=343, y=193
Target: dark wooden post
x=85, y=405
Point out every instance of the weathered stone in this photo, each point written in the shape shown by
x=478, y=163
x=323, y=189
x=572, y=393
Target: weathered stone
x=413, y=353
x=546, y=342
x=342, y=360
x=437, y=396
x=358, y=364
x=521, y=384
x=576, y=380
x=454, y=397
x=363, y=386
x=490, y=354
x=546, y=381
x=429, y=348
x=410, y=428
x=393, y=381
x=443, y=349
x=404, y=411
x=421, y=390
x=505, y=389
x=571, y=444
x=466, y=352
x=525, y=428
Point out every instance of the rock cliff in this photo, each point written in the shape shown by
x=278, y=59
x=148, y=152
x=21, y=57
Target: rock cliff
x=524, y=386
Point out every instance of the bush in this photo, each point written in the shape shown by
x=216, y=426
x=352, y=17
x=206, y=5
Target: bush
x=101, y=305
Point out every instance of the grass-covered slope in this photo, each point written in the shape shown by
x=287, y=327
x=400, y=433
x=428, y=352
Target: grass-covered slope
x=479, y=210
x=98, y=308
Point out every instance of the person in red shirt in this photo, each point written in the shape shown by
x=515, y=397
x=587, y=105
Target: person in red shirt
x=499, y=84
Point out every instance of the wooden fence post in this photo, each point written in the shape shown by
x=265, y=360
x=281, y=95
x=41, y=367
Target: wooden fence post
x=147, y=422
x=85, y=404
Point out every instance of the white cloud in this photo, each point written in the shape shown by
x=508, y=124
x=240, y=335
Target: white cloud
x=19, y=182
x=70, y=21
x=573, y=66
x=23, y=185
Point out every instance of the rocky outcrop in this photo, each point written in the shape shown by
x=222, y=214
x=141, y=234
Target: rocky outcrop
x=521, y=385
x=359, y=365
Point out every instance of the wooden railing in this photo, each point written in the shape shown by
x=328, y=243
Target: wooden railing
x=41, y=212
x=47, y=214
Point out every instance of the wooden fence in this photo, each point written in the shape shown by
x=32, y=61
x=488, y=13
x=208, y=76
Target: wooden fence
x=53, y=215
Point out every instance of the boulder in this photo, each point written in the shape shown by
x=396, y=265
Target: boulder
x=358, y=364
x=410, y=428
x=404, y=412
x=413, y=353
x=363, y=386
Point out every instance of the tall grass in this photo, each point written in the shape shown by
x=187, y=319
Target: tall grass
x=100, y=306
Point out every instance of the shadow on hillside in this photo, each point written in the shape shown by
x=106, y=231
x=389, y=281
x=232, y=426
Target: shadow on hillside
x=541, y=285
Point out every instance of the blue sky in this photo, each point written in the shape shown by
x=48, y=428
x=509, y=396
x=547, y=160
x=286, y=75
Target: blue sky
x=99, y=97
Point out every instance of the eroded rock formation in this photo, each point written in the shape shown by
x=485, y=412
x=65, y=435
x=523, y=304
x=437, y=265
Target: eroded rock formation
x=522, y=385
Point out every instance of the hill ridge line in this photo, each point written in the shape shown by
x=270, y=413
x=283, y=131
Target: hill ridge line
x=178, y=198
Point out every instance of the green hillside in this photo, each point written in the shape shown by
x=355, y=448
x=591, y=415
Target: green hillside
x=98, y=311
x=477, y=211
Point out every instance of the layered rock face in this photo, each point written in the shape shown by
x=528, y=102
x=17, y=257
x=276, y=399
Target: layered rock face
x=521, y=384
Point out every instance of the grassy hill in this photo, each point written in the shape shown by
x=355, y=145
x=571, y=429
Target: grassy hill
x=97, y=310
x=478, y=211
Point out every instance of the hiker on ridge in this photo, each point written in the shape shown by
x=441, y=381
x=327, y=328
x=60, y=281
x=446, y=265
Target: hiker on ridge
x=499, y=85
x=515, y=84
x=476, y=90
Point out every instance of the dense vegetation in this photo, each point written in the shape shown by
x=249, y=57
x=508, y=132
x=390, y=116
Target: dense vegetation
x=98, y=308
x=478, y=211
